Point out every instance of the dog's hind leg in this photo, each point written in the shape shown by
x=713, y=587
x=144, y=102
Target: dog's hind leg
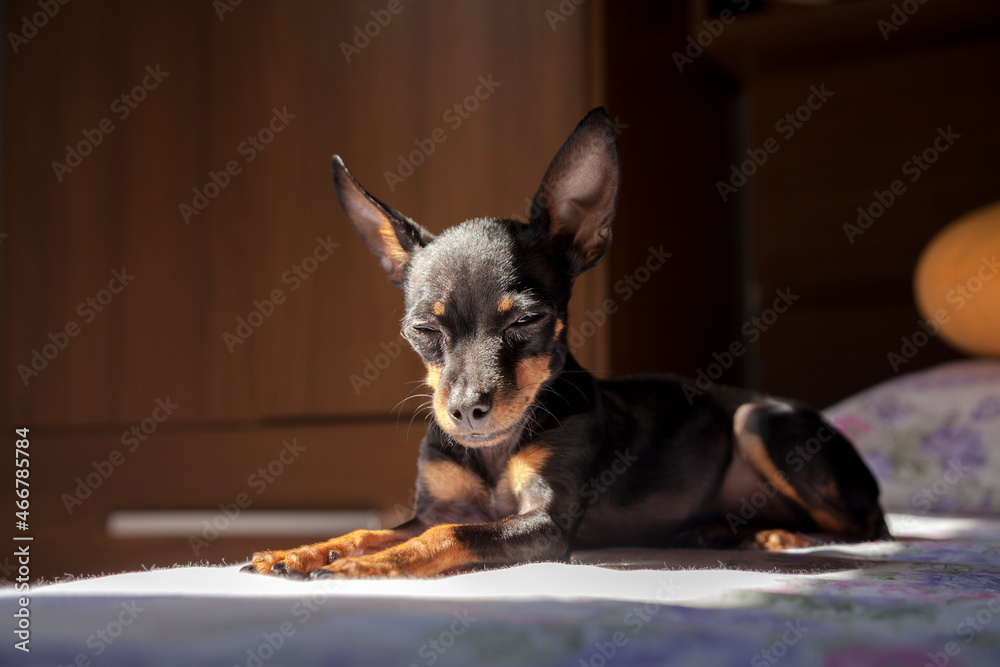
x=813, y=465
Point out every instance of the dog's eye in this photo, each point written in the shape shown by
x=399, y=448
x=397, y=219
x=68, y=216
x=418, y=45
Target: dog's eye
x=529, y=318
x=424, y=330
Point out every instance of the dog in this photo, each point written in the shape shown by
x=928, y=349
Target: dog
x=528, y=456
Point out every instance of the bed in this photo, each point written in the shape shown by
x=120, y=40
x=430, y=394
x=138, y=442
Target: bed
x=930, y=597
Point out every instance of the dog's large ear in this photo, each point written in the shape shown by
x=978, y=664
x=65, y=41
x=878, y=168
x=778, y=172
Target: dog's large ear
x=389, y=234
x=576, y=201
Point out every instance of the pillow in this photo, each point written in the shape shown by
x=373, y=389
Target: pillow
x=932, y=438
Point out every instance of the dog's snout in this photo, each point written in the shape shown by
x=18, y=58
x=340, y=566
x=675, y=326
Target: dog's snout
x=470, y=411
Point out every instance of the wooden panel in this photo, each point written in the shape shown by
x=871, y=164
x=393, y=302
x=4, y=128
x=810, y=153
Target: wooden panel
x=111, y=211
x=120, y=207
x=680, y=127
x=275, y=74
x=855, y=286
x=791, y=35
x=350, y=466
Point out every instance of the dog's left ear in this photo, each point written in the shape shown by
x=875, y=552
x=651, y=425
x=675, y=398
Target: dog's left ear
x=576, y=201
x=390, y=235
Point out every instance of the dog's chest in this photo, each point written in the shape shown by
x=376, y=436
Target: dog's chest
x=516, y=488
x=512, y=492
x=502, y=503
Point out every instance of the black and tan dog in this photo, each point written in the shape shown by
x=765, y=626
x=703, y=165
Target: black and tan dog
x=528, y=456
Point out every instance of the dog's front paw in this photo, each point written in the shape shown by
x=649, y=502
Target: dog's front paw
x=300, y=563
x=296, y=563
x=356, y=568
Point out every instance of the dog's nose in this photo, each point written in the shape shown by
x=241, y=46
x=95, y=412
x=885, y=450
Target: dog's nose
x=471, y=413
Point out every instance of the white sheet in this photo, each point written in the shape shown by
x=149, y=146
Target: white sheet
x=879, y=603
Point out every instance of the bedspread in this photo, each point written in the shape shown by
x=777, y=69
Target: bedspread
x=932, y=597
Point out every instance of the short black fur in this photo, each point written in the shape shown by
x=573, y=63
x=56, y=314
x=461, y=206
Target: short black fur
x=528, y=456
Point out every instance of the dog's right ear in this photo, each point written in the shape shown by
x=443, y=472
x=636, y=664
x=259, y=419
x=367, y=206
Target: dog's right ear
x=389, y=234
x=576, y=202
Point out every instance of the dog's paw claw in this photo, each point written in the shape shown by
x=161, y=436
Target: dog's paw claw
x=332, y=556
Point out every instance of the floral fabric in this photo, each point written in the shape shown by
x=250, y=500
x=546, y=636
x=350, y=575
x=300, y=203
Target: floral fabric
x=932, y=438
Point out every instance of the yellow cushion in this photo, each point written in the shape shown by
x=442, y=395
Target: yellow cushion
x=957, y=282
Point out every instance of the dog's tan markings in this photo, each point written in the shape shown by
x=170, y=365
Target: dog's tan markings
x=433, y=376
x=525, y=465
x=779, y=539
x=531, y=373
x=523, y=469
x=440, y=399
x=440, y=402
x=391, y=243
x=438, y=308
x=446, y=480
x=313, y=556
x=753, y=448
x=560, y=325
x=436, y=551
x=506, y=303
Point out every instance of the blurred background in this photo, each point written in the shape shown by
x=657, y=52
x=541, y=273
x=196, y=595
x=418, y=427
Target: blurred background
x=194, y=335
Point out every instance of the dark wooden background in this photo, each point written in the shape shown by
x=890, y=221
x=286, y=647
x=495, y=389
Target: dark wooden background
x=162, y=336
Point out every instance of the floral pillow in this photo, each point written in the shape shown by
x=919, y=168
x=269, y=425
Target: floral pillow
x=932, y=438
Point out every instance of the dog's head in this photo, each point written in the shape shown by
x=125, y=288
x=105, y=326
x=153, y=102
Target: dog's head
x=486, y=300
